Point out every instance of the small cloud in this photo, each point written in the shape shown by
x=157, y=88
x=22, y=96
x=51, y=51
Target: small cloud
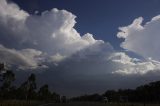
x=57, y=58
x=23, y=59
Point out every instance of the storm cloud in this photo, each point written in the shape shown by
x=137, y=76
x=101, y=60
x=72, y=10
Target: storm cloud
x=73, y=63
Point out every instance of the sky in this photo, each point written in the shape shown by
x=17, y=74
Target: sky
x=81, y=47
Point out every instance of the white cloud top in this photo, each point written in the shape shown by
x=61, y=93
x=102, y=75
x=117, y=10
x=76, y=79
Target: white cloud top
x=52, y=32
x=142, y=39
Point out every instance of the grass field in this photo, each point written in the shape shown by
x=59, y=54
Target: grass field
x=19, y=103
x=100, y=104
x=35, y=103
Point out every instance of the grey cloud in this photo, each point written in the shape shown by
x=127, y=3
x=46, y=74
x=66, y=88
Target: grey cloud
x=98, y=69
x=23, y=59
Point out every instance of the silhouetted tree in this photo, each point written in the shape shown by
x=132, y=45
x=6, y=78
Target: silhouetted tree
x=44, y=93
x=55, y=97
x=28, y=87
x=63, y=99
x=26, y=91
x=2, y=70
x=7, y=78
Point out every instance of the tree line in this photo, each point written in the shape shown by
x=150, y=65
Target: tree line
x=148, y=93
x=26, y=91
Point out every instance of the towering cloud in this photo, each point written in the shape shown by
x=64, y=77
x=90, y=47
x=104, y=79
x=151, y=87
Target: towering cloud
x=142, y=39
x=51, y=33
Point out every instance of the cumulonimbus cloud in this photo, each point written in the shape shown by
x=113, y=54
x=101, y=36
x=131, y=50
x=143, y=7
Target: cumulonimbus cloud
x=52, y=34
x=50, y=38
